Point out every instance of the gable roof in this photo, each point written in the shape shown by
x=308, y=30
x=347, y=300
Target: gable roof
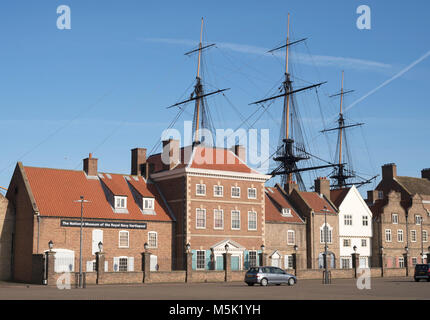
x=414, y=185
x=337, y=196
x=317, y=202
x=55, y=192
x=203, y=157
x=275, y=200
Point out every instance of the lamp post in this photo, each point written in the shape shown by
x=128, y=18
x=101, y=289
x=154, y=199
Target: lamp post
x=81, y=200
x=428, y=254
x=50, y=245
x=296, y=248
x=100, y=245
x=422, y=244
x=188, y=247
x=226, y=247
x=406, y=260
x=326, y=278
x=146, y=246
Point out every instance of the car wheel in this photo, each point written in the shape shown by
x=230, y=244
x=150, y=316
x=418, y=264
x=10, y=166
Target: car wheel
x=250, y=284
x=291, y=282
x=264, y=282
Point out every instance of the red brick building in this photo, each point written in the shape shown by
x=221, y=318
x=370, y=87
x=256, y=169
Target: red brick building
x=123, y=212
x=401, y=218
x=285, y=231
x=7, y=220
x=217, y=201
x=315, y=207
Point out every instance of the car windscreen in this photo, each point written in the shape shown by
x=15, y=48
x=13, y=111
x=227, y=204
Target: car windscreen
x=422, y=267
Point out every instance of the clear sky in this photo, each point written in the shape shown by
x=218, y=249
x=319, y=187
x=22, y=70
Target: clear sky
x=104, y=85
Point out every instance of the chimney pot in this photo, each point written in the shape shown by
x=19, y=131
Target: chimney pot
x=138, y=160
x=170, y=154
x=389, y=171
x=290, y=186
x=425, y=173
x=322, y=187
x=240, y=152
x=90, y=165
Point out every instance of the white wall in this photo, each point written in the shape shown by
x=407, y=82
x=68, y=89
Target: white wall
x=354, y=205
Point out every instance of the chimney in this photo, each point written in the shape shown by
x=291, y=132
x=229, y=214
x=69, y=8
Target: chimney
x=147, y=169
x=389, y=171
x=138, y=160
x=289, y=187
x=170, y=154
x=372, y=196
x=322, y=186
x=425, y=173
x=90, y=166
x=240, y=152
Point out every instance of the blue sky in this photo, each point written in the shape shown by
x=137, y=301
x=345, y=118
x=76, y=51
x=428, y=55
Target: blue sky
x=104, y=85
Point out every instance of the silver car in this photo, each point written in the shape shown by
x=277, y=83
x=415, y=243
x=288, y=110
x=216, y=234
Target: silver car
x=269, y=275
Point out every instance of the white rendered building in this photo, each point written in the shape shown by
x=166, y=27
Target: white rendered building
x=355, y=226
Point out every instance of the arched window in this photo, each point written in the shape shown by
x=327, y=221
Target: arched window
x=326, y=231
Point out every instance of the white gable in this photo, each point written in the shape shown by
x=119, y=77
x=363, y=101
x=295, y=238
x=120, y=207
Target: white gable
x=354, y=205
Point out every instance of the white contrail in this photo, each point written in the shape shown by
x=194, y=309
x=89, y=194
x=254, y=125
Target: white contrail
x=409, y=67
x=320, y=60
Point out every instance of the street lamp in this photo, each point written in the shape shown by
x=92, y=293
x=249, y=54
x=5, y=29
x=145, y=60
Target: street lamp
x=354, y=248
x=100, y=245
x=262, y=248
x=296, y=248
x=50, y=245
x=422, y=244
x=81, y=200
x=226, y=247
x=326, y=279
x=188, y=247
x=145, y=246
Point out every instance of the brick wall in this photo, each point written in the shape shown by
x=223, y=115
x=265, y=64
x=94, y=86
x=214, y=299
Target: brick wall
x=174, y=192
x=276, y=239
x=208, y=276
x=19, y=194
x=121, y=277
x=250, y=239
x=7, y=224
x=69, y=238
x=166, y=276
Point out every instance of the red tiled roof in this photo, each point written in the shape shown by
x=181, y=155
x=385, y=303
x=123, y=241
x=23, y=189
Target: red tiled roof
x=274, y=202
x=55, y=191
x=316, y=202
x=206, y=158
x=337, y=196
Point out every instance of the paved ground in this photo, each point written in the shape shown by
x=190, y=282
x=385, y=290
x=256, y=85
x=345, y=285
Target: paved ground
x=386, y=288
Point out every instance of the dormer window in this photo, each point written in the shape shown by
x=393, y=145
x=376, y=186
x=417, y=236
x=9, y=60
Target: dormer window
x=286, y=212
x=120, y=202
x=148, y=203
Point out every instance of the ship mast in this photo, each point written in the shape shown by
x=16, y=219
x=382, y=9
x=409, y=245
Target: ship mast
x=198, y=87
x=341, y=174
x=200, y=119
x=286, y=155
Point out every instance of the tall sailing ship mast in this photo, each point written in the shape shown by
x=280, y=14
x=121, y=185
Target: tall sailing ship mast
x=291, y=149
x=344, y=175
x=201, y=119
